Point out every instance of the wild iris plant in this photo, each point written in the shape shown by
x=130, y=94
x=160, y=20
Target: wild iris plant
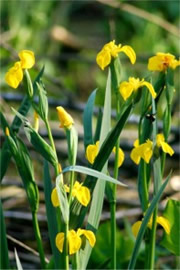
x=67, y=204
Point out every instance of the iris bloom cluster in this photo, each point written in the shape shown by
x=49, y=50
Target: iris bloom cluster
x=162, y=61
x=93, y=149
x=145, y=150
x=81, y=193
x=111, y=50
x=74, y=240
x=164, y=222
x=15, y=74
x=126, y=88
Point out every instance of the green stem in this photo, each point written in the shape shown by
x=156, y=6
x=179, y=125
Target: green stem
x=66, y=247
x=52, y=145
x=145, y=187
x=71, y=186
x=153, y=241
x=38, y=239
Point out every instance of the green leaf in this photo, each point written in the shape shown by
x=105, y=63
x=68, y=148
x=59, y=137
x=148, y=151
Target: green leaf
x=145, y=222
x=87, y=119
x=42, y=107
x=25, y=169
x=98, y=194
x=94, y=173
x=18, y=263
x=63, y=200
x=72, y=140
x=172, y=213
x=23, y=109
x=4, y=257
x=98, y=126
x=51, y=216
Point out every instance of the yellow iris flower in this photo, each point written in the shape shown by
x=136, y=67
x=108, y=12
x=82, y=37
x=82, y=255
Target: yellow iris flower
x=162, y=61
x=159, y=220
x=160, y=140
x=93, y=149
x=65, y=118
x=80, y=192
x=74, y=240
x=143, y=151
x=15, y=74
x=127, y=88
x=110, y=50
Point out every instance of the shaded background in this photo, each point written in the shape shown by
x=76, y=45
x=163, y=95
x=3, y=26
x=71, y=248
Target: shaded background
x=65, y=37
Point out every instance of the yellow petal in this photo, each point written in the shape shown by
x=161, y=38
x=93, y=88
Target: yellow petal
x=164, y=223
x=136, y=143
x=64, y=118
x=27, y=59
x=120, y=157
x=136, y=155
x=126, y=89
x=167, y=148
x=175, y=63
x=54, y=197
x=135, y=228
x=103, y=59
x=66, y=188
x=60, y=241
x=89, y=235
x=74, y=242
x=159, y=139
x=146, y=151
x=83, y=195
x=7, y=131
x=150, y=88
x=14, y=75
x=155, y=63
x=91, y=152
x=161, y=62
x=129, y=52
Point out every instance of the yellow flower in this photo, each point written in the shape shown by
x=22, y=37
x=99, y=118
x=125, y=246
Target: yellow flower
x=27, y=59
x=165, y=146
x=110, y=50
x=127, y=88
x=82, y=194
x=160, y=220
x=143, y=151
x=93, y=149
x=162, y=61
x=14, y=75
x=74, y=240
x=64, y=118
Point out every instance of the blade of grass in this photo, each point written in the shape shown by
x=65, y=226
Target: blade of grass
x=87, y=119
x=94, y=173
x=51, y=216
x=18, y=263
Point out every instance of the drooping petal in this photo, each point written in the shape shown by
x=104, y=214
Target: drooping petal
x=150, y=88
x=136, y=155
x=27, y=59
x=89, y=235
x=65, y=118
x=126, y=89
x=155, y=63
x=136, y=143
x=146, y=151
x=60, y=241
x=164, y=222
x=159, y=139
x=74, y=242
x=135, y=228
x=91, y=152
x=54, y=197
x=167, y=148
x=175, y=63
x=120, y=156
x=103, y=58
x=128, y=50
x=14, y=75
x=81, y=193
